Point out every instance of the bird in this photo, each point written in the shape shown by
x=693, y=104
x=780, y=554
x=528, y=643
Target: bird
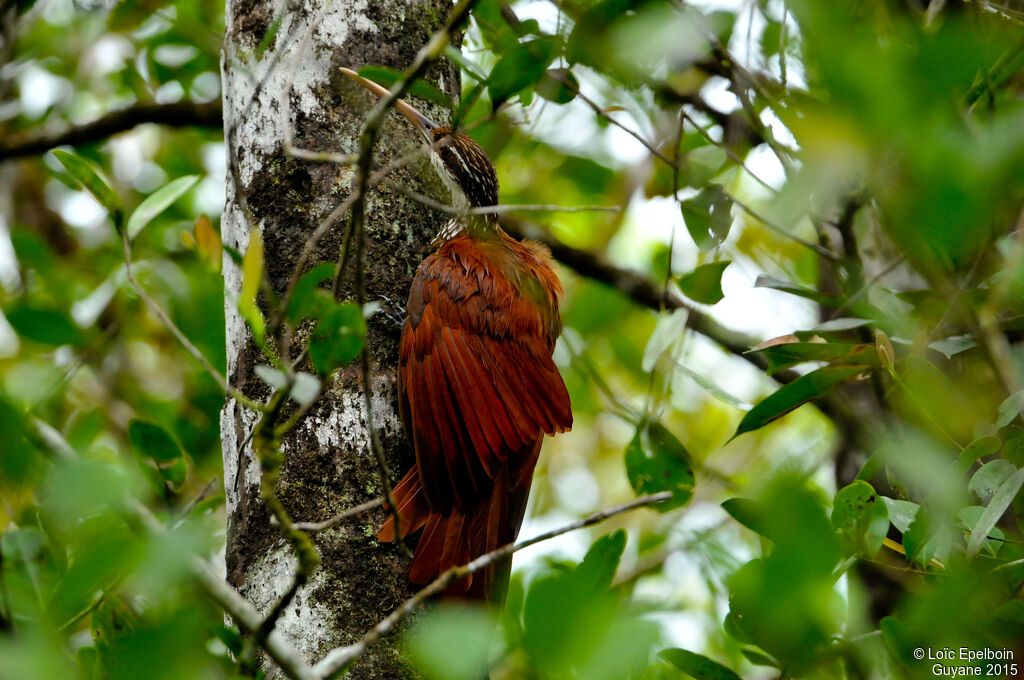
x=478, y=389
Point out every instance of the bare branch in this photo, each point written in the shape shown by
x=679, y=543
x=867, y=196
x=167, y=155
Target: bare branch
x=178, y=114
x=340, y=517
x=320, y=156
x=496, y=209
x=340, y=657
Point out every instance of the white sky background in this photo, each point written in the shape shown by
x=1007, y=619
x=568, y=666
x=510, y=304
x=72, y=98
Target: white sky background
x=573, y=128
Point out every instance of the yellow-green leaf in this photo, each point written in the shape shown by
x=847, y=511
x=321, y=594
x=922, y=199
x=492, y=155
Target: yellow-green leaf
x=252, y=277
x=91, y=179
x=157, y=202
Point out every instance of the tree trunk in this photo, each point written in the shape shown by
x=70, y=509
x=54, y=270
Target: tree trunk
x=280, y=76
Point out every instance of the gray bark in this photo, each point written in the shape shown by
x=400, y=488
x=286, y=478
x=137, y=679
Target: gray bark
x=329, y=466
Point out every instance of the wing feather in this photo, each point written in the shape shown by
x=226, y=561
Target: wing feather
x=478, y=390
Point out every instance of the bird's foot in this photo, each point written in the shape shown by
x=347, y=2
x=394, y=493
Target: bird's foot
x=392, y=311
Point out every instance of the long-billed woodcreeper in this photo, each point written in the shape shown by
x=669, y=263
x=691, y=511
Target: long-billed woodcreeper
x=477, y=387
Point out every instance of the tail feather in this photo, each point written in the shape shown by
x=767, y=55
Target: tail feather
x=461, y=536
x=413, y=510
x=428, y=551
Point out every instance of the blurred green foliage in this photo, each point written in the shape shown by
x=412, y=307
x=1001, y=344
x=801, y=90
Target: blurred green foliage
x=847, y=177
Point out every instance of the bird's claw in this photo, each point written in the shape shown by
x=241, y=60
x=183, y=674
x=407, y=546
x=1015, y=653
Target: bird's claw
x=392, y=311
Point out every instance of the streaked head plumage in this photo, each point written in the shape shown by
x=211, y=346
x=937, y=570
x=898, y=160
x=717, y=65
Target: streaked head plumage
x=464, y=165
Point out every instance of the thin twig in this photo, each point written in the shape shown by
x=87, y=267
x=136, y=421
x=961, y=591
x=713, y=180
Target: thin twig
x=604, y=114
x=495, y=209
x=867, y=286
x=338, y=658
x=728, y=152
x=320, y=156
x=821, y=250
x=183, y=515
x=340, y=517
x=176, y=332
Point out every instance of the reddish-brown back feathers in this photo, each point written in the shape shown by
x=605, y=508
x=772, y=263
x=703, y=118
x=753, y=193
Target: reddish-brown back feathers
x=478, y=391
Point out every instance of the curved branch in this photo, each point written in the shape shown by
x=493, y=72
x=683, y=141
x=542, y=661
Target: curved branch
x=178, y=114
x=338, y=658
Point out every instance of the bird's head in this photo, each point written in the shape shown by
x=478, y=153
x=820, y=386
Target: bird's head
x=460, y=161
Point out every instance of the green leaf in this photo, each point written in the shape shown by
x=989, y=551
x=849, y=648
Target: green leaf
x=451, y=642
x=175, y=474
x=19, y=458
x=667, y=333
x=494, y=28
x=697, y=666
x=800, y=391
x=898, y=638
x=657, y=461
x=558, y=85
x=157, y=202
x=712, y=388
x=771, y=38
x=860, y=518
x=901, y=513
x=990, y=477
x=758, y=659
x=786, y=354
x=704, y=284
x=45, y=326
x=597, y=570
x=338, y=338
x=969, y=518
x=83, y=172
x=1001, y=500
x=748, y=512
x=700, y=165
x=953, y=345
x=149, y=440
x=460, y=60
x=764, y=281
x=975, y=451
x=842, y=324
x=521, y=67
x=574, y=626
x=732, y=628
x=927, y=537
x=708, y=216
x=1010, y=409
x=305, y=302
x=252, y=267
x=273, y=377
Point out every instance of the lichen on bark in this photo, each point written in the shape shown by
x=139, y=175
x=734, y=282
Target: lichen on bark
x=280, y=75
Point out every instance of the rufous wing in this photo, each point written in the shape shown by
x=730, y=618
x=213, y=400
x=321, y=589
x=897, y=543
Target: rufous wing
x=478, y=390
